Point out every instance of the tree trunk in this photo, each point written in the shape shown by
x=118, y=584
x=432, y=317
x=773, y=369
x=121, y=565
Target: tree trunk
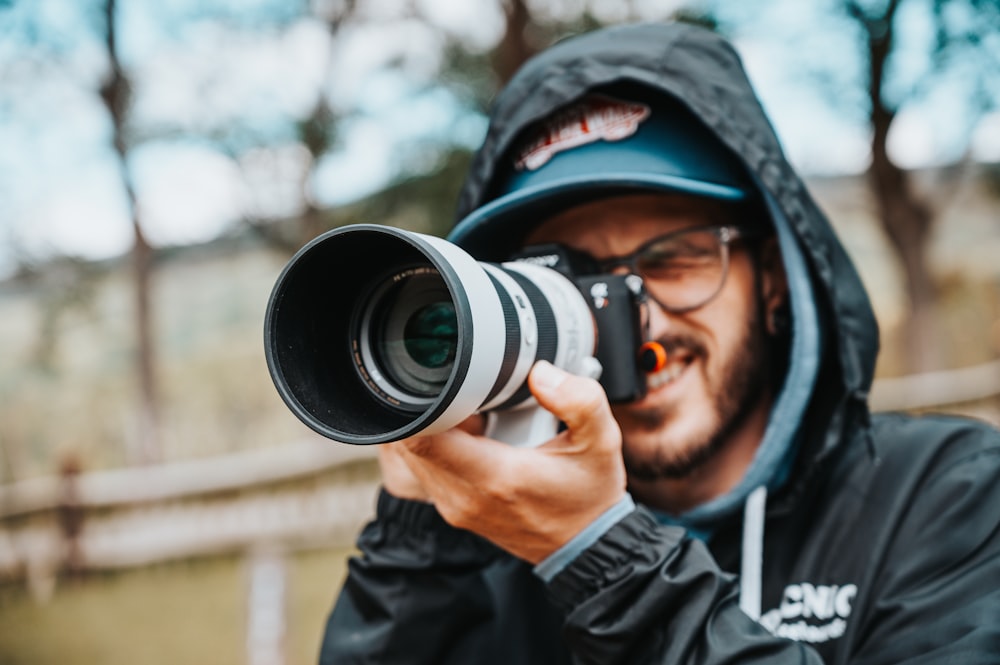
x=149, y=445
x=905, y=218
x=318, y=130
x=514, y=48
x=145, y=448
x=907, y=223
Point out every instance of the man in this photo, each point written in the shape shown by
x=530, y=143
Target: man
x=747, y=508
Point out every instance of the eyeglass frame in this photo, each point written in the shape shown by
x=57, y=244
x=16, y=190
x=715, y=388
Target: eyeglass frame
x=726, y=233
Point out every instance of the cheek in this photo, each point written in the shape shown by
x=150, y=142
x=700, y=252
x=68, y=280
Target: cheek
x=727, y=322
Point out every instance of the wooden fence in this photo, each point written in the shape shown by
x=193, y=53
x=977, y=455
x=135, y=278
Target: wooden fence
x=969, y=385
x=312, y=493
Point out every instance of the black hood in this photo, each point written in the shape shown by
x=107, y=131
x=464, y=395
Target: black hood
x=703, y=72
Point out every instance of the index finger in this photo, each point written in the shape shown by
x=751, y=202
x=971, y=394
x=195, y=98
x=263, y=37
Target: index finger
x=578, y=401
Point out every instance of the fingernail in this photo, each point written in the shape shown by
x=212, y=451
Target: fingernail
x=547, y=376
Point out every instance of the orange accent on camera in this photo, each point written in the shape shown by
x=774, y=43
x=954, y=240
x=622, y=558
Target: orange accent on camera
x=652, y=357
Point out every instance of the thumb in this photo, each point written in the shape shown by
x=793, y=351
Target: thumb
x=578, y=401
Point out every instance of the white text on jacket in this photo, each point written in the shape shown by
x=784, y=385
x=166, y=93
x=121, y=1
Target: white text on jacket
x=811, y=613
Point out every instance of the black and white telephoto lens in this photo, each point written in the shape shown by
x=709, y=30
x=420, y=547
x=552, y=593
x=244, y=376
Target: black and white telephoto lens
x=375, y=334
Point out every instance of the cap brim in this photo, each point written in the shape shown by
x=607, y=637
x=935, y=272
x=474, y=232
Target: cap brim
x=494, y=231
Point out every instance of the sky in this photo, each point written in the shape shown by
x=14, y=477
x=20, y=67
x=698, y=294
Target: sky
x=252, y=67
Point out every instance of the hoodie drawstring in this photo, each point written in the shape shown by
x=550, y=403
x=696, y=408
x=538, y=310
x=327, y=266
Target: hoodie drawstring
x=752, y=562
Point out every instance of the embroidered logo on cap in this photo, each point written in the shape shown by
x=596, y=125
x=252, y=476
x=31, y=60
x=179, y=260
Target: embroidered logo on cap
x=595, y=118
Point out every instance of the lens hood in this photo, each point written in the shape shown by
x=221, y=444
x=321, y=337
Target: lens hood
x=314, y=338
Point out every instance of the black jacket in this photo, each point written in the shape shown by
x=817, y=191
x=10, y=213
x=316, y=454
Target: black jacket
x=882, y=547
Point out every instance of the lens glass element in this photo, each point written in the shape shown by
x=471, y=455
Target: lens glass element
x=407, y=337
x=431, y=335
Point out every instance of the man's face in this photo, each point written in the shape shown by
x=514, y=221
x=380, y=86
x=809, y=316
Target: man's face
x=714, y=392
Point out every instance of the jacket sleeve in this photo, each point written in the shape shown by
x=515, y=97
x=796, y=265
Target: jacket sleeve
x=645, y=593
x=398, y=603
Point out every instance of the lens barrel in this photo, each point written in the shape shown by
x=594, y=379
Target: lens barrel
x=374, y=334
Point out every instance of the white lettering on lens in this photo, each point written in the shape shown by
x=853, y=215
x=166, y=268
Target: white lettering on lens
x=545, y=260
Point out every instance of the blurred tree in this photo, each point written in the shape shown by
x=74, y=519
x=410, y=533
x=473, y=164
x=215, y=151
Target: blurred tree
x=425, y=198
x=422, y=194
x=116, y=93
x=875, y=61
x=515, y=46
x=423, y=202
x=476, y=78
x=965, y=39
x=65, y=285
x=317, y=132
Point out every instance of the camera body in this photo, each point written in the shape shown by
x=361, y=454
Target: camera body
x=615, y=301
x=374, y=334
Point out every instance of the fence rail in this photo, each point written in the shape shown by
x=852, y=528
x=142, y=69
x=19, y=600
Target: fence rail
x=308, y=493
x=179, y=480
x=938, y=389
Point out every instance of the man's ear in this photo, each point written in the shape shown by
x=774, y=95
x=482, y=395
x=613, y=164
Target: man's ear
x=773, y=286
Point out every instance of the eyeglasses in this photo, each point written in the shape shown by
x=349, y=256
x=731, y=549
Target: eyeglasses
x=683, y=270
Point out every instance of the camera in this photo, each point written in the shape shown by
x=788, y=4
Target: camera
x=374, y=334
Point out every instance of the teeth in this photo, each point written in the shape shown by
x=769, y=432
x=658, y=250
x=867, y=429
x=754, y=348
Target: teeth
x=665, y=375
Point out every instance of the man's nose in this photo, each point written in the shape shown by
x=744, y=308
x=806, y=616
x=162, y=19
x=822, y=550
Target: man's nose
x=658, y=321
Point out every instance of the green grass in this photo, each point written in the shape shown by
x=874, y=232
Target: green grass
x=178, y=613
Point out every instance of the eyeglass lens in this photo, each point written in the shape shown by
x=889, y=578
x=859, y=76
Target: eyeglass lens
x=684, y=270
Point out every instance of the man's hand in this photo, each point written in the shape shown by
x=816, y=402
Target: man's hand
x=398, y=479
x=529, y=501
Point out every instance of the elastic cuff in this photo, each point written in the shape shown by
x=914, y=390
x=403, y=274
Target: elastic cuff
x=417, y=514
x=412, y=534
x=636, y=542
x=555, y=562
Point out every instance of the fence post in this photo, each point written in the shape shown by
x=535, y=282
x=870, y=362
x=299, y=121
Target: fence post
x=266, y=600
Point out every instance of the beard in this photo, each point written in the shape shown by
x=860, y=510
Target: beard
x=742, y=382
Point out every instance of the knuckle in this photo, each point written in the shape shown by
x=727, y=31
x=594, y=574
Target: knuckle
x=590, y=401
x=420, y=446
x=590, y=393
x=457, y=514
x=502, y=490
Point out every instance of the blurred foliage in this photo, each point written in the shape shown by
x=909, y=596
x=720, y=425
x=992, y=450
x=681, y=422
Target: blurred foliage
x=468, y=76
x=992, y=177
x=425, y=199
x=318, y=132
x=64, y=286
x=424, y=202
x=421, y=202
x=700, y=17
